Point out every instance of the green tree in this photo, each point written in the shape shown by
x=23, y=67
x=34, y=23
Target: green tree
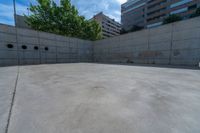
x=47, y=16
x=133, y=29
x=123, y=31
x=172, y=18
x=196, y=14
x=198, y=11
x=91, y=30
x=136, y=28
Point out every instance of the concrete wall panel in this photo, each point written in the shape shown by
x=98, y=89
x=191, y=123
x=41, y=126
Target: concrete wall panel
x=177, y=44
x=187, y=24
x=49, y=36
x=23, y=32
x=60, y=49
x=5, y=37
x=7, y=29
x=27, y=40
x=186, y=34
x=160, y=46
x=187, y=44
x=8, y=54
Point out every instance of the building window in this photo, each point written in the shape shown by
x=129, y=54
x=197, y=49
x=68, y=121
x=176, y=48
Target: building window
x=154, y=25
x=192, y=7
x=179, y=10
x=182, y=2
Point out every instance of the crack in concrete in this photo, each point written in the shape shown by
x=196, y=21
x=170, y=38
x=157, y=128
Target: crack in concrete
x=12, y=101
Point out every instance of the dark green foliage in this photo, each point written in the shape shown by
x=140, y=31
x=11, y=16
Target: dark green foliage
x=136, y=28
x=196, y=14
x=62, y=19
x=133, y=29
x=172, y=18
x=123, y=31
x=198, y=11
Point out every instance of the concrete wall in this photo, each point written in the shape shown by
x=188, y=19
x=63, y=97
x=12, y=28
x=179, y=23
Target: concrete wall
x=60, y=49
x=176, y=44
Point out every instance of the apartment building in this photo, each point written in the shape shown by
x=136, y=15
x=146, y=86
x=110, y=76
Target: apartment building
x=133, y=13
x=155, y=11
x=109, y=26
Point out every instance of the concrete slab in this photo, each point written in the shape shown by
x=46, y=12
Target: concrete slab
x=7, y=83
x=98, y=98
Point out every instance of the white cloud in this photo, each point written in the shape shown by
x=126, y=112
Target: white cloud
x=121, y=1
x=86, y=8
x=57, y=2
x=111, y=8
x=21, y=9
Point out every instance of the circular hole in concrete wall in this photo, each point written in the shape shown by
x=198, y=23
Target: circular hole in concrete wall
x=36, y=47
x=24, y=47
x=46, y=48
x=10, y=46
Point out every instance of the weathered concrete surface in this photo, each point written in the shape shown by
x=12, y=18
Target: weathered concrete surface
x=7, y=84
x=174, y=44
x=61, y=49
x=97, y=98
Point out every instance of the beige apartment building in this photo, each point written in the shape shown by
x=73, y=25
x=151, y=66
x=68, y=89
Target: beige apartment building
x=157, y=10
x=109, y=26
x=151, y=13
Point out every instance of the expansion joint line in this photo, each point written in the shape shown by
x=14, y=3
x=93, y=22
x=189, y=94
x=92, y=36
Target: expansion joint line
x=12, y=101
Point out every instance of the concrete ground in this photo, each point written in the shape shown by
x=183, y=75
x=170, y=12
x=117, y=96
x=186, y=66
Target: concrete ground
x=99, y=98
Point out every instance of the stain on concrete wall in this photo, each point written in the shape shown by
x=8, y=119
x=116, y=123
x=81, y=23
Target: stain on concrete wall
x=33, y=47
x=175, y=44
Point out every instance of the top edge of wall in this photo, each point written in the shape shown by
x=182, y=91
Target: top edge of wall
x=178, y=26
x=9, y=29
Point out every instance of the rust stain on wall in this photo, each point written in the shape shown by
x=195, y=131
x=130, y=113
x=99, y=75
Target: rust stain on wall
x=146, y=54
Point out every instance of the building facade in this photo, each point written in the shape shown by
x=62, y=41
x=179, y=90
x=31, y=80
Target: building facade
x=109, y=26
x=21, y=22
x=155, y=11
x=133, y=14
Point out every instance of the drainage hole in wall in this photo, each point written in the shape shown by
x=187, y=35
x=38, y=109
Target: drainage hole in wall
x=46, y=48
x=10, y=46
x=36, y=47
x=24, y=47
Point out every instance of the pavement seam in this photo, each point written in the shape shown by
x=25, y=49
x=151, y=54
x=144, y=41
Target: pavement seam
x=12, y=101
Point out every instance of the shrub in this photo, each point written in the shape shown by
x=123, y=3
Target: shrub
x=172, y=18
x=196, y=14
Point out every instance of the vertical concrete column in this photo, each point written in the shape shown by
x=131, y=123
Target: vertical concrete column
x=56, y=54
x=17, y=44
x=171, y=44
x=39, y=42
x=148, y=44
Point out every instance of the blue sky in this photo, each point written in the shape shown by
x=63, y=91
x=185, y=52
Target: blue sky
x=87, y=8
